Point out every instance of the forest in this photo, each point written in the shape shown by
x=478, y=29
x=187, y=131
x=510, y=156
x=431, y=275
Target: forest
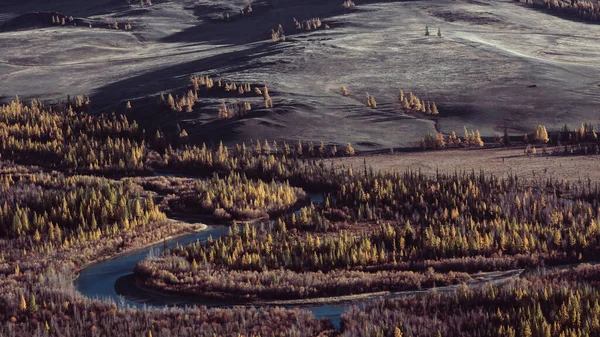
x=384, y=225
x=58, y=224
x=232, y=197
x=61, y=210
x=78, y=188
x=64, y=137
x=555, y=303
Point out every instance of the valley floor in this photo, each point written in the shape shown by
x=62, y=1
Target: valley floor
x=497, y=161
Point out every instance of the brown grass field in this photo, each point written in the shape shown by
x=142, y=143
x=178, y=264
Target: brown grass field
x=499, y=162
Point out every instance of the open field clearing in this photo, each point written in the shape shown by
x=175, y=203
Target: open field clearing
x=498, y=162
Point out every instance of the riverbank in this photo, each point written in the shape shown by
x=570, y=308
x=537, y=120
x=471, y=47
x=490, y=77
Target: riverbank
x=131, y=285
x=478, y=279
x=184, y=229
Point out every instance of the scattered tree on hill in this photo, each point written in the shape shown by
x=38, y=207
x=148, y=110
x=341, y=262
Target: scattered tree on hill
x=299, y=148
x=540, y=134
x=224, y=112
x=370, y=101
x=434, y=109
x=183, y=136
x=322, y=149
x=344, y=91
x=82, y=103
x=473, y=138
x=278, y=35
x=349, y=150
x=586, y=133
x=453, y=140
x=431, y=141
x=348, y=4
x=412, y=103
x=308, y=25
x=267, y=97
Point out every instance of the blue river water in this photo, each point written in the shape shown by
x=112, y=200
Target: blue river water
x=98, y=281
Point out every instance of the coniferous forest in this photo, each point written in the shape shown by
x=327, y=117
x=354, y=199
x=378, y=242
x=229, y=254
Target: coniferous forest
x=450, y=254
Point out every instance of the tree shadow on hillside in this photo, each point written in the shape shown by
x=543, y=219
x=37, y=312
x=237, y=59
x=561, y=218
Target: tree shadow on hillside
x=257, y=25
x=170, y=78
x=145, y=88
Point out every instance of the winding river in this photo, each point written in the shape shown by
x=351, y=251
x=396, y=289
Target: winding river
x=101, y=281
x=107, y=280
